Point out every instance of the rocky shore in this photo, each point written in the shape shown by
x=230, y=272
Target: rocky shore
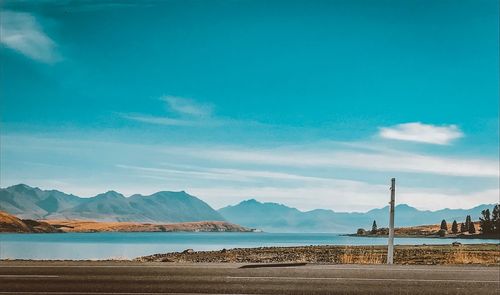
x=485, y=254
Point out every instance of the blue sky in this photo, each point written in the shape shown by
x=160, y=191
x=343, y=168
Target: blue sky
x=315, y=104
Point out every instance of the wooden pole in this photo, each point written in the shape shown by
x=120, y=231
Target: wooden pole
x=390, y=248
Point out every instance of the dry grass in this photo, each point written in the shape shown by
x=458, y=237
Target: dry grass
x=365, y=257
x=10, y=223
x=469, y=257
x=96, y=226
x=484, y=254
x=427, y=230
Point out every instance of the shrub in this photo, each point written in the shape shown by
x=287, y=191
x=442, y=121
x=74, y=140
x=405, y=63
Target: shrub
x=361, y=231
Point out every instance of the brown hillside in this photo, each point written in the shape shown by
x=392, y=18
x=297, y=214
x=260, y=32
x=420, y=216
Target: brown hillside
x=11, y=224
x=94, y=226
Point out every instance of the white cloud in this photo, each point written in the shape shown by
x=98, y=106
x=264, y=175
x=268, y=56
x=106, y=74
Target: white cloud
x=183, y=112
x=346, y=196
x=424, y=133
x=424, y=198
x=160, y=120
x=225, y=174
x=372, y=161
x=318, y=175
x=186, y=106
x=21, y=32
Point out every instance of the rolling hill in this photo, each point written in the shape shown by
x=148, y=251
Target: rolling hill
x=12, y=224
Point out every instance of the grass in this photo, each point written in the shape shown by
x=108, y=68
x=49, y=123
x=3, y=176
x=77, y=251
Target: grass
x=483, y=254
x=462, y=257
x=365, y=258
x=445, y=256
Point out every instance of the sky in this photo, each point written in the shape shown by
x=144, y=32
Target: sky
x=313, y=104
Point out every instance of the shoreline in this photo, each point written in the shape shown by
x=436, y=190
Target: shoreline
x=456, y=237
x=484, y=254
x=487, y=254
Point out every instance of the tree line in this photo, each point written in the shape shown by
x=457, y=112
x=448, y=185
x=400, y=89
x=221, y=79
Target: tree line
x=489, y=223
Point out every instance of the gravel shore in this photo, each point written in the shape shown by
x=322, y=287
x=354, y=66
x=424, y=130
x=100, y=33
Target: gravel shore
x=484, y=254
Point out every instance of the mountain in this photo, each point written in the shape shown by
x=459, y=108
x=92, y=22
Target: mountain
x=275, y=217
x=180, y=206
x=167, y=207
x=28, y=202
x=33, y=203
x=271, y=216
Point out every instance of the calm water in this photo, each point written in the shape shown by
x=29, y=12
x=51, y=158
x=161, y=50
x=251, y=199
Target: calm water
x=130, y=245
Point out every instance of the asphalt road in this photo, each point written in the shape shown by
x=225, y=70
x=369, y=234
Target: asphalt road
x=155, y=278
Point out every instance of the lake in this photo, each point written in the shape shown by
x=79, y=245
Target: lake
x=118, y=245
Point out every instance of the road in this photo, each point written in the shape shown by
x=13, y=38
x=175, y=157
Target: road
x=121, y=278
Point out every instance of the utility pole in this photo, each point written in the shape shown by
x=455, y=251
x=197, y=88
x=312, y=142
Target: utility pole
x=390, y=248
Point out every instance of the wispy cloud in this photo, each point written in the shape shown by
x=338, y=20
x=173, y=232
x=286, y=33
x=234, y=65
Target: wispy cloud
x=182, y=112
x=355, y=196
x=187, y=106
x=388, y=160
x=21, y=32
x=317, y=175
x=224, y=174
x=425, y=133
x=167, y=121
x=87, y=5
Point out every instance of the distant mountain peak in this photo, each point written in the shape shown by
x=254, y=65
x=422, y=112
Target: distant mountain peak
x=169, y=195
x=110, y=194
x=405, y=207
x=250, y=201
x=21, y=187
x=255, y=202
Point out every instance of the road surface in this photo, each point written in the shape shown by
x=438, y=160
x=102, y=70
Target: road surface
x=123, y=278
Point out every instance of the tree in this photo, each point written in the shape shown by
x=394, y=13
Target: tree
x=467, y=222
x=374, y=227
x=472, y=228
x=454, y=227
x=463, y=229
x=360, y=232
x=495, y=219
x=485, y=223
x=444, y=225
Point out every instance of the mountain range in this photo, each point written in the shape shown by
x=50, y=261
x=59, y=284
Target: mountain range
x=275, y=217
x=33, y=203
